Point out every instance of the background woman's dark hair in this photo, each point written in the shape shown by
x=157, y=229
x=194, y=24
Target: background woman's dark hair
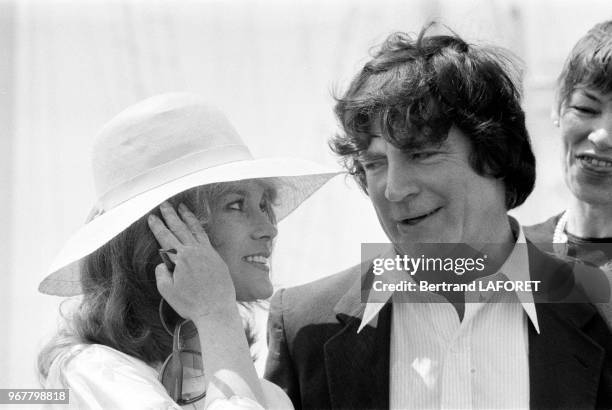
x=120, y=301
x=589, y=64
x=416, y=89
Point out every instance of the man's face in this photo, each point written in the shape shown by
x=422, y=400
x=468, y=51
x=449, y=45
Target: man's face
x=432, y=194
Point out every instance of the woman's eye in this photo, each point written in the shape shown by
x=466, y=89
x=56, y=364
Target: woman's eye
x=236, y=205
x=584, y=109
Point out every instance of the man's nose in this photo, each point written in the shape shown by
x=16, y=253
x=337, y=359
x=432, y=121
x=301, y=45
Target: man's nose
x=401, y=181
x=601, y=135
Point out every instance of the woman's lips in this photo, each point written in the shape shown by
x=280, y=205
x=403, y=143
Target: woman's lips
x=259, y=261
x=595, y=163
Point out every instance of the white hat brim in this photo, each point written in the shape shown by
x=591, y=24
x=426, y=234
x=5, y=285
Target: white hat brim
x=295, y=180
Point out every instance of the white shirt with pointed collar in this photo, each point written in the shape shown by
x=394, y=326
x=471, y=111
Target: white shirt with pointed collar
x=481, y=362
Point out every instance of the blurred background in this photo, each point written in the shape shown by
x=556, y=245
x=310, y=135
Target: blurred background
x=66, y=67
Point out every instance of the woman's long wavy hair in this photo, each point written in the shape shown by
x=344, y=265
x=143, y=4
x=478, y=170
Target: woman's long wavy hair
x=120, y=301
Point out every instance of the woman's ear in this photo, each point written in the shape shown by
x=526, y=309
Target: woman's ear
x=554, y=115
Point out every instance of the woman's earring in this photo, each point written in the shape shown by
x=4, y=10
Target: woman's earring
x=556, y=123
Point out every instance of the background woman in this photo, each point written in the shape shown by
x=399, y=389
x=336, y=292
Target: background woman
x=583, y=114
x=124, y=347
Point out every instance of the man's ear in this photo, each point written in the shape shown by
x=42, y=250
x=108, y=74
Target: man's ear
x=364, y=188
x=362, y=184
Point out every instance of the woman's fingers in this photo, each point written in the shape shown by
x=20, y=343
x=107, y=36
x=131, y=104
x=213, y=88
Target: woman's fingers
x=176, y=225
x=200, y=284
x=169, y=258
x=163, y=235
x=194, y=224
x=164, y=279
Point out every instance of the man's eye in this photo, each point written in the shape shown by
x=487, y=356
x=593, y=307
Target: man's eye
x=372, y=165
x=423, y=154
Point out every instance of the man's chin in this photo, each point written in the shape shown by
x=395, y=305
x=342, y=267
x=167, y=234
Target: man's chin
x=411, y=248
x=410, y=240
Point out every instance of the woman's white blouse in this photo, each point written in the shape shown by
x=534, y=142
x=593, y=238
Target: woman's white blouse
x=100, y=377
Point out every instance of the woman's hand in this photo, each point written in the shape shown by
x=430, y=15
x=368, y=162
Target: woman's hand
x=201, y=283
x=201, y=289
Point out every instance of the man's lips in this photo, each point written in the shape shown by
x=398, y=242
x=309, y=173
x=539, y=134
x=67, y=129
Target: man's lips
x=414, y=220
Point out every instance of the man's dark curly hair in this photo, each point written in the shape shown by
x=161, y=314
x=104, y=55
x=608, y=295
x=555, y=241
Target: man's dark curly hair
x=416, y=89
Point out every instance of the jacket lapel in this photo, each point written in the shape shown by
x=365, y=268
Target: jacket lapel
x=357, y=365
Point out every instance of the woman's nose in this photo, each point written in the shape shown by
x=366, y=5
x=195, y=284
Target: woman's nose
x=601, y=138
x=265, y=227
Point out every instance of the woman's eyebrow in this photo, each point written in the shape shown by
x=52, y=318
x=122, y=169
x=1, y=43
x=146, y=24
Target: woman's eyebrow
x=597, y=97
x=232, y=190
x=590, y=96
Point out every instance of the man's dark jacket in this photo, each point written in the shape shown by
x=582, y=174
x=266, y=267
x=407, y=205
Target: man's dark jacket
x=317, y=357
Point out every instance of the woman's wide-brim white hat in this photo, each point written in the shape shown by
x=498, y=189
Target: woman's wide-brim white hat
x=161, y=147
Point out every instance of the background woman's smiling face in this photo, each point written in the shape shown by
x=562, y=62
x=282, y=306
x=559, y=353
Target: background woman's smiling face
x=586, y=129
x=242, y=229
